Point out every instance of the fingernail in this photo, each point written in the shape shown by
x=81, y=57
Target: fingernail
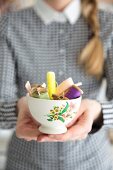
x=41, y=140
x=51, y=136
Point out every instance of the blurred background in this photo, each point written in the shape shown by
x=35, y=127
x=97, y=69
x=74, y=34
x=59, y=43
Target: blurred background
x=13, y=5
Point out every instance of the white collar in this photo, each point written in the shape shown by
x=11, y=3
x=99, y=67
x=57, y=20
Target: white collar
x=71, y=13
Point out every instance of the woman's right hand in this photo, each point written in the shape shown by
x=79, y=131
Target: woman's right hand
x=26, y=127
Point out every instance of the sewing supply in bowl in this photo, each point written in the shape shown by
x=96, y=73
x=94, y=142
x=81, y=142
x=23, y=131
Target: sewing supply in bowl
x=37, y=91
x=66, y=90
x=73, y=92
x=51, y=84
x=66, y=84
x=54, y=106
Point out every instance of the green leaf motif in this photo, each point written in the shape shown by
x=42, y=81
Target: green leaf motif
x=50, y=116
x=54, y=107
x=50, y=120
x=61, y=118
x=65, y=109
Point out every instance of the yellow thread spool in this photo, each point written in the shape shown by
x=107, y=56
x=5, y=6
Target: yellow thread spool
x=51, y=84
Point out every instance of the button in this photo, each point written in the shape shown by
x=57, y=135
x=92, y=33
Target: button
x=60, y=73
x=61, y=158
x=56, y=15
x=61, y=31
x=62, y=51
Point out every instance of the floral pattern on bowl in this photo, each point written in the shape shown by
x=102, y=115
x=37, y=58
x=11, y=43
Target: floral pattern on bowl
x=61, y=113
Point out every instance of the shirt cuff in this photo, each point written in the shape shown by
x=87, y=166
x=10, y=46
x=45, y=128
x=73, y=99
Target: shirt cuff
x=8, y=116
x=107, y=110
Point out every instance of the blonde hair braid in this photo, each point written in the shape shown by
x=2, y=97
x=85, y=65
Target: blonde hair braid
x=92, y=56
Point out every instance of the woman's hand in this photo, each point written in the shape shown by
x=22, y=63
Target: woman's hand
x=89, y=112
x=26, y=127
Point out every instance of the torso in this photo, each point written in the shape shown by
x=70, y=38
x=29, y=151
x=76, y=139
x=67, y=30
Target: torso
x=37, y=49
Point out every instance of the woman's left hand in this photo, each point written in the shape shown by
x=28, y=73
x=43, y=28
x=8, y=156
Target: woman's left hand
x=90, y=111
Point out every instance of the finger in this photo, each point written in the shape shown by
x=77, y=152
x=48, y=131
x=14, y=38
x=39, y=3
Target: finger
x=80, y=112
x=45, y=138
x=23, y=115
x=73, y=133
x=70, y=135
x=67, y=136
x=57, y=137
x=63, y=137
x=28, y=133
x=82, y=137
x=84, y=124
x=26, y=117
x=27, y=120
x=28, y=123
x=80, y=131
x=72, y=122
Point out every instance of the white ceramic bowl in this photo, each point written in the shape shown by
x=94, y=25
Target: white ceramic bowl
x=53, y=115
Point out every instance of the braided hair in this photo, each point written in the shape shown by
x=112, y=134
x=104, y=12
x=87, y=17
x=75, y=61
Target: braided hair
x=92, y=56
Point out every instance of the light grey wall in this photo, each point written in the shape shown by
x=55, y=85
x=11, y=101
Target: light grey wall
x=106, y=6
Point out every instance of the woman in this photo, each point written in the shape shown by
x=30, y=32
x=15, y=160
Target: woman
x=71, y=38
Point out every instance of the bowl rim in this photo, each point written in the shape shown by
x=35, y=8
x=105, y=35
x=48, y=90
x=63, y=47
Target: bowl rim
x=27, y=95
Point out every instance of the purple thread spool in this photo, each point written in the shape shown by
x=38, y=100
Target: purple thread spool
x=73, y=93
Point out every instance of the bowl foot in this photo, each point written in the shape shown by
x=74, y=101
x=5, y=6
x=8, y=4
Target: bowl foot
x=48, y=130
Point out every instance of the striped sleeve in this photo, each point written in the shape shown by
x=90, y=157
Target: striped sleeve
x=8, y=87
x=107, y=110
x=107, y=107
x=8, y=116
